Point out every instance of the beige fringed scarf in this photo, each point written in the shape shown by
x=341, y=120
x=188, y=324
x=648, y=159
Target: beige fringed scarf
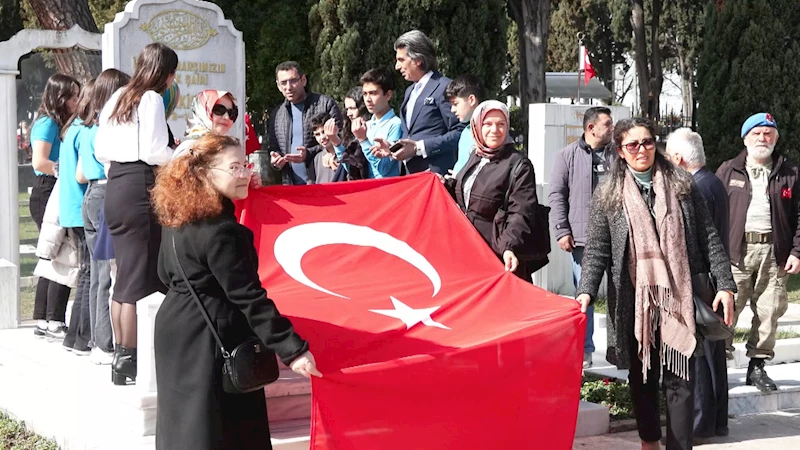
x=660, y=275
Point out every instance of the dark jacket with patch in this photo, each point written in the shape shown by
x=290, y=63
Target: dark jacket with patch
x=784, y=202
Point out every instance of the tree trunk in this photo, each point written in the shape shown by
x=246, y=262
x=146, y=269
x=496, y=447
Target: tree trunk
x=687, y=85
x=640, y=54
x=656, y=73
x=61, y=15
x=533, y=22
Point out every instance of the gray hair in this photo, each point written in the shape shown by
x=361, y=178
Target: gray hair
x=689, y=145
x=419, y=48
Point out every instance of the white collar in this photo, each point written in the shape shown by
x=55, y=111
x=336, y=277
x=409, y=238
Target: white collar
x=424, y=80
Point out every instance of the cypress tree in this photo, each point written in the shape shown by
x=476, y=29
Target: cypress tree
x=353, y=36
x=749, y=64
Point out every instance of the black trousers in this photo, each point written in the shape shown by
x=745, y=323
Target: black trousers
x=50, y=301
x=679, y=394
x=711, y=391
x=79, y=332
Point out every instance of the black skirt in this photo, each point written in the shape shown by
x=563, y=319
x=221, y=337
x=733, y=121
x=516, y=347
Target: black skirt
x=135, y=232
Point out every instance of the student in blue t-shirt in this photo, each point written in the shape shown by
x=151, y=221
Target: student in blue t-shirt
x=378, y=86
x=464, y=94
x=70, y=216
x=93, y=173
x=59, y=102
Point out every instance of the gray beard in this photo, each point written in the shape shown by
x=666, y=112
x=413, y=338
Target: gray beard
x=760, y=152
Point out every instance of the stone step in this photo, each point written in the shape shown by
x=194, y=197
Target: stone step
x=289, y=398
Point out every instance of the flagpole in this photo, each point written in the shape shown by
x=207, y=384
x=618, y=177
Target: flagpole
x=580, y=36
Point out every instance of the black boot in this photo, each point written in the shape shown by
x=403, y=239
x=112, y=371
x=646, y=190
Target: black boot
x=757, y=376
x=116, y=356
x=125, y=366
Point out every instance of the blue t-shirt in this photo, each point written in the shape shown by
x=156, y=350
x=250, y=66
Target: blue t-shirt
x=465, y=144
x=92, y=169
x=70, y=192
x=46, y=129
x=298, y=141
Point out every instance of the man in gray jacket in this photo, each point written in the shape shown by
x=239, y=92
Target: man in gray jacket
x=577, y=170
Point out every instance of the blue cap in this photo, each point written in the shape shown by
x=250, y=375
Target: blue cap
x=758, y=120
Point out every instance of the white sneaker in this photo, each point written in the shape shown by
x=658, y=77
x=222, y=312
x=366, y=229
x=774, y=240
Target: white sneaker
x=100, y=357
x=587, y=360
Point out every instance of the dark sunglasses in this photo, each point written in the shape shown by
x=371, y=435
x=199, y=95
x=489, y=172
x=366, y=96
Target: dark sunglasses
x=633, y=147
x=220, y=110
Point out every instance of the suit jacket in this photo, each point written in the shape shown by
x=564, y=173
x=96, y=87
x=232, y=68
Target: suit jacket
x=279, y=130
x=433, y=123
x=717, y=201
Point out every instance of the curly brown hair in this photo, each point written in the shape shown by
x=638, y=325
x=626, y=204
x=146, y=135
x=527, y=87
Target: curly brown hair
x=182, y=193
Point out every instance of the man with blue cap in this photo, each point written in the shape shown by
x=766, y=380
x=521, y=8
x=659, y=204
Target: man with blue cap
x=764, y=205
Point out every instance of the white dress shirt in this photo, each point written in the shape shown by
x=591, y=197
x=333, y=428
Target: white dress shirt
x=144, y=139
x=412, y=100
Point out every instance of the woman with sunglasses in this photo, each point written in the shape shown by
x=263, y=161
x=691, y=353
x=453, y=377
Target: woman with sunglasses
x=650, y=220
x=212, y=112
x=193, y=198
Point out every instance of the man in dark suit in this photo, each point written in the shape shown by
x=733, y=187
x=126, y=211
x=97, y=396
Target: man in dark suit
x=430, y=130
x=685, y=149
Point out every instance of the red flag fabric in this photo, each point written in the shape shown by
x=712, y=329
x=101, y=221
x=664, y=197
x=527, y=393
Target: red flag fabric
x=586, y=66
x=251, y=143
x=425, y=342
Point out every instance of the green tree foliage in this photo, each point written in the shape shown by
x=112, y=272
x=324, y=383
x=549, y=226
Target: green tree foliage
x=606, y=37
x=105, y=10
x=274, y=31
x=353, y=36
x=749, y=64
x=10, y=19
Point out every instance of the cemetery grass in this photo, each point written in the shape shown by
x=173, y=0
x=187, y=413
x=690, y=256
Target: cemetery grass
x=14, y=435
x=26, y=298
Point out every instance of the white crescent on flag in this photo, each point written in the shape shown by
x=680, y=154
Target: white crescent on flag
x=294, y=243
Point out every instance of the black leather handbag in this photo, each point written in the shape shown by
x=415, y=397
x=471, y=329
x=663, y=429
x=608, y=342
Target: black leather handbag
x=250, y=366
x=709, y=324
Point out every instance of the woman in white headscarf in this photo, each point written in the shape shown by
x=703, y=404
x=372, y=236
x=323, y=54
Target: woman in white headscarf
x=212, y=111
x=481, y=188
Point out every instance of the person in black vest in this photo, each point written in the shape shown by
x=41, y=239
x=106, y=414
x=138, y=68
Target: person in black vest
x=685, y=149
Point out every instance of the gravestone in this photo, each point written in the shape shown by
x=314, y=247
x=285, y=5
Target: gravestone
x=210, y=50
x=552, y=127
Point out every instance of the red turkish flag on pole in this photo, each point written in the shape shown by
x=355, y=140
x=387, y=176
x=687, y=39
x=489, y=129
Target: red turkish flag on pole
x=586, y=66
x=425, y=342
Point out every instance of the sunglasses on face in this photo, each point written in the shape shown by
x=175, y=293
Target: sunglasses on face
x=220, y=110
x=634, y=147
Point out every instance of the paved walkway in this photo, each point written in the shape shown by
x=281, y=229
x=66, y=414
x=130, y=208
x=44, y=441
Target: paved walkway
x=773, y=431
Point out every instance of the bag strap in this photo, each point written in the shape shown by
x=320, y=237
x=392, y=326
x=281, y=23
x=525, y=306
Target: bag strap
x=211, y=327
x=512, y=175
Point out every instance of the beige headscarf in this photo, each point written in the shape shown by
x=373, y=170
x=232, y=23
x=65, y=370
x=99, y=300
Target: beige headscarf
x=199, y=121
x=476, y=123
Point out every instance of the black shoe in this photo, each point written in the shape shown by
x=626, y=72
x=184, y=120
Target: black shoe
x=39, y=332
x=757, y=376
x=722, y=431
x=124, y=367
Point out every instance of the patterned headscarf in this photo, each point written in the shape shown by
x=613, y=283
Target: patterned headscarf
x=171, y=96
x=476, y=124
x=199, y=121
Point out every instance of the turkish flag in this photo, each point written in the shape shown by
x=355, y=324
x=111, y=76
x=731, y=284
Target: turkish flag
x=424, y=340
x=251, y=143
x=586, y=66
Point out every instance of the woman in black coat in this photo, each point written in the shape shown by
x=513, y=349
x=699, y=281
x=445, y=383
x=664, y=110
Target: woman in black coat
x=650, y=222
x=192, y=198
x=480, y=189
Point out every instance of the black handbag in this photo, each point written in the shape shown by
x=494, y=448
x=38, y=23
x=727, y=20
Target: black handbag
x=709, y=323
x=537, y=246
x=250, y=366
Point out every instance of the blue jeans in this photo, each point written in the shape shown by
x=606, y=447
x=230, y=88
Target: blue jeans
x=577, y=258
x=100, y=282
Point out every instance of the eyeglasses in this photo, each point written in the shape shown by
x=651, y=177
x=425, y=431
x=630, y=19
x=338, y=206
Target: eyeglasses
x=289, y=82
x=634, y=147
x=221, y=110
x=238, y=171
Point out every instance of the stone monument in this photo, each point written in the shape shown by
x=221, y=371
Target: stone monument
x=210, y=50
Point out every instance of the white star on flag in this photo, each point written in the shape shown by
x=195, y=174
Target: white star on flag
x=410, y=316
